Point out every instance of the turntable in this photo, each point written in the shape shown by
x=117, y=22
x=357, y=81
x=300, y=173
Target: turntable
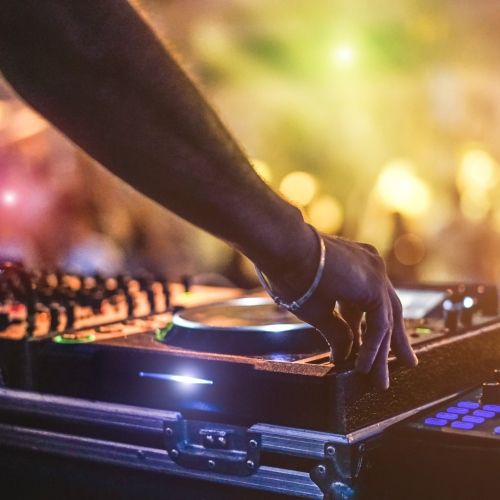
x=246, y=361
x=248, y=326
x=241, y=392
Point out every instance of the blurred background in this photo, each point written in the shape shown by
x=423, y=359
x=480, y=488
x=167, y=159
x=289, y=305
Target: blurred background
x=380, y=120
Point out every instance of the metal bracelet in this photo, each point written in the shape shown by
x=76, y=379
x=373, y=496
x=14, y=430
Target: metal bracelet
x=297, y=304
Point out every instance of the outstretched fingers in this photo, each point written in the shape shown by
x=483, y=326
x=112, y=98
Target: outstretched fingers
x=378, y=325
x=380, y=369
x=400, y=343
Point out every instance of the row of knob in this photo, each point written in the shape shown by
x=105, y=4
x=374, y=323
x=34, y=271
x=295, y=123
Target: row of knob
x=60, y=294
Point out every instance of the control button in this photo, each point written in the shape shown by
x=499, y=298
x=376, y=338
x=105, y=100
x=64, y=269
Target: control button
x=473, y=419
x=496, y=430
x=484, y=413
x=436, y=422
x=468, y=404
x=447, y=416
x=495, y=408
x=466, y=426
x=458, y=411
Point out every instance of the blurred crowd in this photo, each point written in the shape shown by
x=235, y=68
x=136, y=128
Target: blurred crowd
x=380, y=124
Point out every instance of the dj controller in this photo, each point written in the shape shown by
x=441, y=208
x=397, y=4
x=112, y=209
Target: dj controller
x=239, y=392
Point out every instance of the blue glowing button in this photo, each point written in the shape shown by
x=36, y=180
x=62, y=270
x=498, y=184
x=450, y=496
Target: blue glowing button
x=465, y=426
x=436, y=422
x=447, y=416
x=496, y=430
x=473, y=419
x=471, y=405
x=458, y=411
x=495, y=408
x=484, y=413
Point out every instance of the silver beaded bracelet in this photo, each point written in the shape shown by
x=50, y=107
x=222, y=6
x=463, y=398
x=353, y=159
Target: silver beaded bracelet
x=297, y=304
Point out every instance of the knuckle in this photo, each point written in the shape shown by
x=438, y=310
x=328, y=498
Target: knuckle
x=397, y=307
x=369, y=248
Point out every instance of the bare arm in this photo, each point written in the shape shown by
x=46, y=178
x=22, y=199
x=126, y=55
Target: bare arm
x=99, y=73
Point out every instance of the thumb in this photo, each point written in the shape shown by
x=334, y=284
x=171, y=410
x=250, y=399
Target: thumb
x=337, y=333
x=353, y=315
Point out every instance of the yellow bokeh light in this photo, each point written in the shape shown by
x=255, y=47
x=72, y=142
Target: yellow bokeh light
x=299, y=187
x=343, y=54
x=400, y=190
x=409, y=249
x=326, y=214
x=262, y=169
x=478, y=171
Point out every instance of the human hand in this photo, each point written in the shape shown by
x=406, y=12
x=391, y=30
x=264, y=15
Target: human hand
x=354, y=277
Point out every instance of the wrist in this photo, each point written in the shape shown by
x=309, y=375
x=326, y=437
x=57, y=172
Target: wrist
x=299, y=301
x=292, y=264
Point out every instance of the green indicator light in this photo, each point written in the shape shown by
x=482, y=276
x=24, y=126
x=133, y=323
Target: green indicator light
x=84, y=339
x=161, y=333
x=423, y=330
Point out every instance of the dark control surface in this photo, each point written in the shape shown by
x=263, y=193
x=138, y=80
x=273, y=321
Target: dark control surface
x=475, y=414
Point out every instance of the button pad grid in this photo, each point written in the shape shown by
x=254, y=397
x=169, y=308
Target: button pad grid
x=465, y=416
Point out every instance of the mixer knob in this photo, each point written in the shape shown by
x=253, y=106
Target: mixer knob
x=467, y=310
x=54, y=312
x=151, y=299
x=491, y=393
x=96, y=300
x=451, y=313
x=130, y=304
x=168, y=302
x=186, y=281
x=70, y=306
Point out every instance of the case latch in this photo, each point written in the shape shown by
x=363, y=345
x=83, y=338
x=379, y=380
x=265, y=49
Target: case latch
x=220, y=448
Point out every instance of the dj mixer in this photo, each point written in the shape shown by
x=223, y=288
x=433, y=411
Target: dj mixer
x=253, y=389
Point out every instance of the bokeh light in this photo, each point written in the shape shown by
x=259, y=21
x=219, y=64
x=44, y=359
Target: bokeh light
x=400, y=190
x=478, y=171
x=343, y=54
x=9, y=198
x=326, y=214
x=299, y=187
x=409, y=249
x=262, y=169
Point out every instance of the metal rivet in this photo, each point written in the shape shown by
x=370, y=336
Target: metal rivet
x=211, y=464
x=210, y=438
x=330, y=450
x=321, y=470
x=222, y=440
x=174, y=453
x=169, y=431
x=250, y=464
x=253, y=443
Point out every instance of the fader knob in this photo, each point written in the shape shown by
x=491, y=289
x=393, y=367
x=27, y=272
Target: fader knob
x=491, y=393
x=70, y=313
x=186, y=281
x=130, y=304
x=150, y=294
x=54, y=317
